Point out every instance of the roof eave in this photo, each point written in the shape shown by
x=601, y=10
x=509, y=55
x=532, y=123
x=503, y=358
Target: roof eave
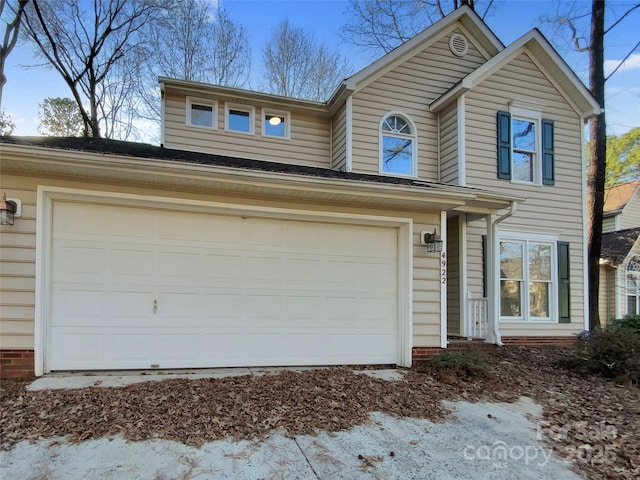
x=287, y=186
x=218, y=91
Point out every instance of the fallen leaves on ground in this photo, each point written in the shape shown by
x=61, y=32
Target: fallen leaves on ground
x=590, y=421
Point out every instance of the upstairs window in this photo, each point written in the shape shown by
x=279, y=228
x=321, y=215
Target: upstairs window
x=239, y=118
x=525, y=147
x=276, y=124
x=202, y=113
x=398, y=146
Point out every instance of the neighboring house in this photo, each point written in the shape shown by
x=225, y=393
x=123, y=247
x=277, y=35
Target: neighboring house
x=620, y=258
x=621, y=207
x=275, y=231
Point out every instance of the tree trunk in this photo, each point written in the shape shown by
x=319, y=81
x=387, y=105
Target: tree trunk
x=597, y=159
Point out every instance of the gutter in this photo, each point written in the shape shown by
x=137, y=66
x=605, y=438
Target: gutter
x=494, y=272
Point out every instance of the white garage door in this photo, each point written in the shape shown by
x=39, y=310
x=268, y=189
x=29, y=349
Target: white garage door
x=143, y=288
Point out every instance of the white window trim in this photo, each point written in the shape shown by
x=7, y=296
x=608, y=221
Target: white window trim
x=242, y=108
x=205, y=103
x=414, y=166
x=553, y=291
x=518, y=113
x=280, y=113
x=634, y=274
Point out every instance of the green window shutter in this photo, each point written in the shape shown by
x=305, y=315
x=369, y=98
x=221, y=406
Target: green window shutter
x=547, y=152
x=504, y=145
x=484, y=266
x=564, y=292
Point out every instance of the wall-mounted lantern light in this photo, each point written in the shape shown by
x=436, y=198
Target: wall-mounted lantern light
x=432, y=241
x=8, y=210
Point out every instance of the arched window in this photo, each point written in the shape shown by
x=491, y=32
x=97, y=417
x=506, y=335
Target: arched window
x=398, y=146
x=633, y=286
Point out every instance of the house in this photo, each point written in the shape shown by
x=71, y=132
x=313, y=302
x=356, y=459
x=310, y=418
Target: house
x=439, y=193
x=620, y=258
x=621, y=206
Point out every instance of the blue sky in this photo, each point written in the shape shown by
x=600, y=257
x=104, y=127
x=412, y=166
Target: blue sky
x=27, y=87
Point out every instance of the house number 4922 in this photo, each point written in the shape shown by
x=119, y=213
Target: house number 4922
x=443, y=268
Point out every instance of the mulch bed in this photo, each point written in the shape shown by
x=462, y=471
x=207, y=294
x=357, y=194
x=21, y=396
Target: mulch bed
x=583, y=416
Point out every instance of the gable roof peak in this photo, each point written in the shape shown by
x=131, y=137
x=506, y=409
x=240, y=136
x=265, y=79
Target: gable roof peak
x=554, y=67
x=464, y=14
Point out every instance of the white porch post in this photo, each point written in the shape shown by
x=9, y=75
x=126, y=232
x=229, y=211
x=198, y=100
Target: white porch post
x=493, y=278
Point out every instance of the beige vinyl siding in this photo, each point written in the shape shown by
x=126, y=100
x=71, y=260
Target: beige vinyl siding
x=475, y=275
x=607, y=294
x=554, y=209
x=408, y=88
x=453, y=276
x=17, y=274
x=630, y=216
x=309, y=143
x=609, y=224
x=449, y=145
x=339, y=140
x=17, y=269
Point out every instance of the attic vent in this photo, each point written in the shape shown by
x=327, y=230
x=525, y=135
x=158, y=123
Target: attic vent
x=458, y=45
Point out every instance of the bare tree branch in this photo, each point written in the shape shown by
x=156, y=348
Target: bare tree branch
x=296, y=66
x=10, y=37
x=86, y=42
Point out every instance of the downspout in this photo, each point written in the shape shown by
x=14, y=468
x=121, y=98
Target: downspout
x=493, y=274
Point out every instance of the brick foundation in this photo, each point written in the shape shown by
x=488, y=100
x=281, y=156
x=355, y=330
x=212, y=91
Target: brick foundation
x=540, y=341
x=16, y=363
x=422, y=354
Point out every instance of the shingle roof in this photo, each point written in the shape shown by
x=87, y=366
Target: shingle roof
x=617, y=245
x=617, y=197
x=142, y=150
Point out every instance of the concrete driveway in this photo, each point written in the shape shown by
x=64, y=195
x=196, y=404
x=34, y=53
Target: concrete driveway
x=480, y=441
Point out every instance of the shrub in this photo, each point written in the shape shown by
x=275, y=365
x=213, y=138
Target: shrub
x=464, y=365
x=629, y=322
x=613, y=352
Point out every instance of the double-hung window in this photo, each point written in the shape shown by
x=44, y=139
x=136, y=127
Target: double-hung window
x=527, y=280
x=525, y=147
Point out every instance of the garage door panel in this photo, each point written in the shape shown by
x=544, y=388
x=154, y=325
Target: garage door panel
x=222, y=309
x=376, y=311
x=183, y=306
x=131, y=266
x=176, y=346
x=377, y=276
x=265, y=308
x=261, y=232
x=340, y=274
x=77, y=220
x=223, y=230
x=132, y=223
x=228, y=291
x=81, y=264
x=179, y=268
x=266, y=269
x=77, y=306
x=223, y=269
x=128, y=348
x=304, y=310
x=123, y=307
x=303, y=272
